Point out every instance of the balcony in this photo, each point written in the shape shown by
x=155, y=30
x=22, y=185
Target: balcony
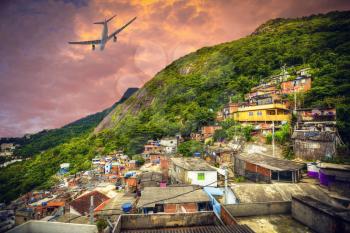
x=263, y=118
x=263, y=107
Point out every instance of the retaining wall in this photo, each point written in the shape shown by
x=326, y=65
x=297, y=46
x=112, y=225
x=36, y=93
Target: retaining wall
x=261, y=208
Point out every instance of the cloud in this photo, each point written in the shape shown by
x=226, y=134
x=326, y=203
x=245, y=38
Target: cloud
x=46, y=83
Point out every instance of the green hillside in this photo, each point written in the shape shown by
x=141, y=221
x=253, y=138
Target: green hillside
x=188, y=92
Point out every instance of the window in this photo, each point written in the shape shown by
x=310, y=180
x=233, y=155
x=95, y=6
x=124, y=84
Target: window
x=259, y=113
x=200, y=176
x=250, y=113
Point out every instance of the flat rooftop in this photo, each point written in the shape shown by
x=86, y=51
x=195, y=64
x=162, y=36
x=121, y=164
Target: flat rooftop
x=269, y=162
x=343, y=213
x=334, y=166
x=114, y=205
x=274, y=224
x=192, y=164
x=253, y=193
x=53, y=227
x=171, y=195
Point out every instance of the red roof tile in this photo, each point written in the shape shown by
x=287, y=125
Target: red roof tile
x=82, y=203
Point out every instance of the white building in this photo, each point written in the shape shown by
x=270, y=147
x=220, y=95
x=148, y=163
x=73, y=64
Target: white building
x=169, y=145
x=108, y=167
x=194, y=171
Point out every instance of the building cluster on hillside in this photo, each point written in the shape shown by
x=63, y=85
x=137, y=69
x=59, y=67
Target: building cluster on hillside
x=267, y=104
x=185, y=190
x=229, y=187
x=272, y=104
x=7, y=149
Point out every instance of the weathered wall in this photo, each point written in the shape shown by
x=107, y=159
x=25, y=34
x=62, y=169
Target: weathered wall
x=252, y=171
x=139, y=221
x=313, y=150
x=261, y=208
x=312, y=218
x=210, y=178
x=319, y=220
x=226, y=217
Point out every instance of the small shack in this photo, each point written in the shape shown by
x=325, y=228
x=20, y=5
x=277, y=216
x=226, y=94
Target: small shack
x=315, y=145
x=262, y=168
x=220, y=154
x=173, y=200
x=150, y=179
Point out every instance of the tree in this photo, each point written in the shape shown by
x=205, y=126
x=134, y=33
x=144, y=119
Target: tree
x=188, y=148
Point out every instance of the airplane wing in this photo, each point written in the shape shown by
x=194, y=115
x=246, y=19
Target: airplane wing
x=86, y=42
x=120, y=29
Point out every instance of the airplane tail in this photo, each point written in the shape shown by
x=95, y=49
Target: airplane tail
x=102, y=22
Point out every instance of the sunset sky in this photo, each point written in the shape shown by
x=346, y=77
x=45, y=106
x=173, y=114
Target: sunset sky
x=47, y=83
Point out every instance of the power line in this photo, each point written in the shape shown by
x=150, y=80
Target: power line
x=169, y=198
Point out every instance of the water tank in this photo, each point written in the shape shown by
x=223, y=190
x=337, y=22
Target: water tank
x=126, y=207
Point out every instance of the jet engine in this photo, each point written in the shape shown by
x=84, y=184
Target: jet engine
x=93, y=47
x=114, y=39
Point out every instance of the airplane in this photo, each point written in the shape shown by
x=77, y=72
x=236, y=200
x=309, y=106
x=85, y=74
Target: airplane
x=104, y=37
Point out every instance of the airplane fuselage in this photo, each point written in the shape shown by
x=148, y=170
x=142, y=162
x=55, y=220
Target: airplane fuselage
x=104, y=36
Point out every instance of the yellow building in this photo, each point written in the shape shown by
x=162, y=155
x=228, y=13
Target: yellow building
x=263, y=114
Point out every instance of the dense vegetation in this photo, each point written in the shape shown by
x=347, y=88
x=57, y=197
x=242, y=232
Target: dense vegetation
x=190, y=147
x=186, y=94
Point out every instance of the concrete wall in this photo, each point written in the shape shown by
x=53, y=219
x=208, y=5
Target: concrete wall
x=319, y=221
x=53, y=227
x=210, y=178
x=149, y=221
x=263, y=208
x=313, y=150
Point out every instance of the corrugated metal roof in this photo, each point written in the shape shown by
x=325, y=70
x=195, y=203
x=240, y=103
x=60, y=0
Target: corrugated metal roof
x=197, y=229
x=192, y=164
x=269, y=162
x=157, y=195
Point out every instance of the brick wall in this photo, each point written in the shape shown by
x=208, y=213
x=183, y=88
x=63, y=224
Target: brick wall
x=257, y=169
x=176, y=208
x=226, y=217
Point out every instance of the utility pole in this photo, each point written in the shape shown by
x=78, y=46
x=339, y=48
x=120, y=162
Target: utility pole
x=92, y=210
x=273, y=138
x=226, y=189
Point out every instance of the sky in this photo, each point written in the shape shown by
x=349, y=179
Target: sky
x=46, y=83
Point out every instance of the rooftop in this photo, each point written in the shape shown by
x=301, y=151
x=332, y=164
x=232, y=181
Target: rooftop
x=269, y=162
x=156, y=195
x=273, y=224
x=252, y=193
x=82, y=203
x=114, y=205
x=192, y=164
x=53, y=227
x=343, y=213
x=72, y=218
x=334, y=166
x=150, y=179
x=261, y=107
